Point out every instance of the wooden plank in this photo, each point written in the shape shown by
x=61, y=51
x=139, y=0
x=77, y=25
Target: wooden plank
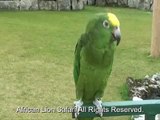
x=149, y=107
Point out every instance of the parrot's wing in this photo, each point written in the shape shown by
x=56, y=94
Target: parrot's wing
x=80, y=44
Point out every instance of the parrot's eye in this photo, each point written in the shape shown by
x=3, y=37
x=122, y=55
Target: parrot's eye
x=106, y=24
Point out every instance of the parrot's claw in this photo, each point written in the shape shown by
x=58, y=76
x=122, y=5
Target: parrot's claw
x=98, y=104
x=78, y=104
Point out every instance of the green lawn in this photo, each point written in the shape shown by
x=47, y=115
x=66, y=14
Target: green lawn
x=36, y=58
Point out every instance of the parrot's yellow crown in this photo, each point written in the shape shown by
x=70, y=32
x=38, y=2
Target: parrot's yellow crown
x=113, y=20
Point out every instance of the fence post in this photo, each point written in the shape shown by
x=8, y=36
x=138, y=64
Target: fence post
x=150, y=117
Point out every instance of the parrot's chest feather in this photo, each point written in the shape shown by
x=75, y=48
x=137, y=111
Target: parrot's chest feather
x=99, y=56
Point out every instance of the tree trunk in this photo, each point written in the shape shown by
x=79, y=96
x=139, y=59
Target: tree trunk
x=155, y=44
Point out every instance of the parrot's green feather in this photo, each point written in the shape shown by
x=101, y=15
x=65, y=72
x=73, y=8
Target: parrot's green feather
x=80, y=44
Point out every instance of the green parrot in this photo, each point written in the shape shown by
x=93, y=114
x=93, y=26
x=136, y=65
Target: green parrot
x=93, y=61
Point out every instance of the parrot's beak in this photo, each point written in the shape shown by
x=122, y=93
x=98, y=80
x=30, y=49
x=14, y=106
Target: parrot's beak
x=117, y=34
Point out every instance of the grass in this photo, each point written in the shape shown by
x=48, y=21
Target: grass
x=36, y=58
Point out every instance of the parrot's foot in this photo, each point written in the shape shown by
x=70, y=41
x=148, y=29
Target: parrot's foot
x=98, y=104
x=78, y=104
